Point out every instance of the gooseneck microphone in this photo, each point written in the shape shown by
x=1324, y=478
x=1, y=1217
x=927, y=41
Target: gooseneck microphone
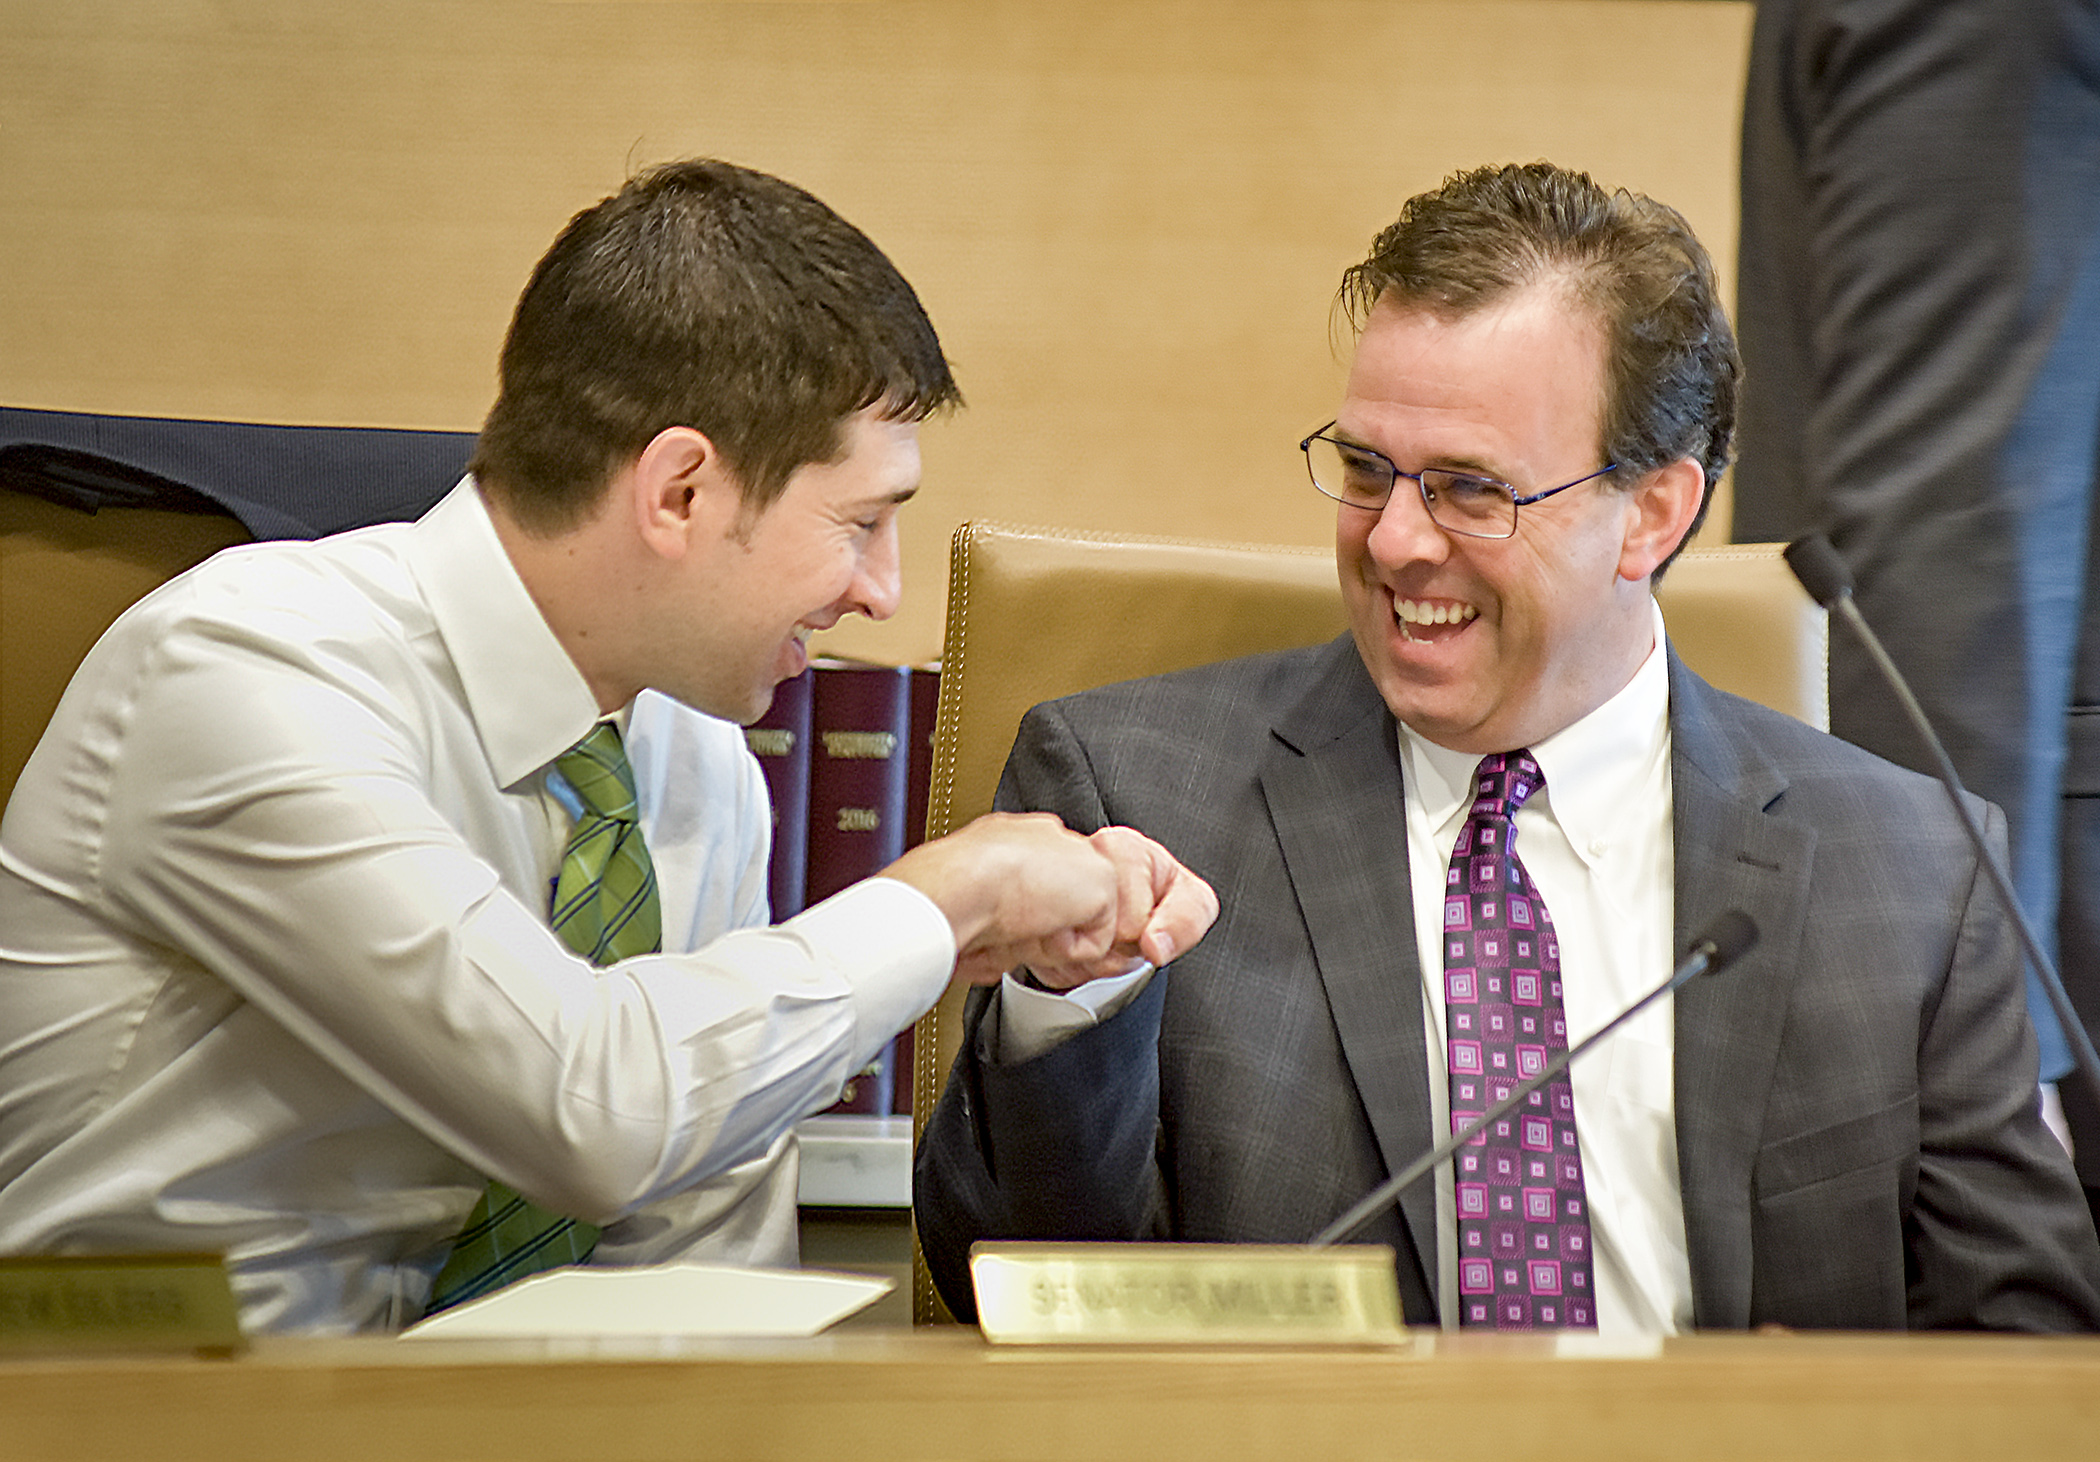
x=1817, y=565
x=1725, y=941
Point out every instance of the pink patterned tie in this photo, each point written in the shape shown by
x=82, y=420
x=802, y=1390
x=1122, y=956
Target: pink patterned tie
x=1523, y=1222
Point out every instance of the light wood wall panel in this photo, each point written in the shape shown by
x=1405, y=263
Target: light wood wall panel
x=1127, y=219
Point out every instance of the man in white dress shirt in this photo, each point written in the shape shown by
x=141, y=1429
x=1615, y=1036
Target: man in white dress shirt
x=276, y=972
x=1840, y=1131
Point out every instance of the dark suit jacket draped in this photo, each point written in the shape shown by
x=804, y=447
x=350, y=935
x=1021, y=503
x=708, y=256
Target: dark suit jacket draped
x=1857, y=1128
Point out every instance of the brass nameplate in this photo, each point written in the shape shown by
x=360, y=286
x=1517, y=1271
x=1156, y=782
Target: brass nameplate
x=1207, y=1294
x=134, y=1302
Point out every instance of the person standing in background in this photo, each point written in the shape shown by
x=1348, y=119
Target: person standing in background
x=1919, y=303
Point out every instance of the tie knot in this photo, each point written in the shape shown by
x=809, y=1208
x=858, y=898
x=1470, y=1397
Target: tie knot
x=1503, y=781
x=597, y=768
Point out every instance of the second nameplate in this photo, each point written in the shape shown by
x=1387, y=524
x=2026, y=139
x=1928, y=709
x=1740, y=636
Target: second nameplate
x=1201, y=1294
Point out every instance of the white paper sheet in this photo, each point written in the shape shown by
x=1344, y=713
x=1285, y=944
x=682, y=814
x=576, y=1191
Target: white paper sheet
x=663, y=1299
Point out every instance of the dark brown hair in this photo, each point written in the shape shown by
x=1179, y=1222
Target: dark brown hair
x=704, y=295
x=1672, y=372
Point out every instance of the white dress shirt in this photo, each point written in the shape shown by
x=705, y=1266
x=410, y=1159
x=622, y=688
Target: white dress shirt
x=276, y=978
x=1597, y=844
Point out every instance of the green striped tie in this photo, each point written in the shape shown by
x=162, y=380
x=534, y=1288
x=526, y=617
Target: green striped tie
x=605, y=908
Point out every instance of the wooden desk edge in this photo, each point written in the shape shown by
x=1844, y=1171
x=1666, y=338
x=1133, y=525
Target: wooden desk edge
x=944, y=1393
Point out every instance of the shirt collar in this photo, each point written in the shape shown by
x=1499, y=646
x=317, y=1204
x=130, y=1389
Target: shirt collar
x=528, y=701
x=1595, y=768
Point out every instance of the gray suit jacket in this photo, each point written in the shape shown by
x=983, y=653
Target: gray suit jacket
x=1856, y=1119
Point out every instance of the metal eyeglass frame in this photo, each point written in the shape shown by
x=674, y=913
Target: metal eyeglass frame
x=1516, y=500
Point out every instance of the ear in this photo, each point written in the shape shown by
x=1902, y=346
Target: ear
x=1663, y=509
x=681, y=493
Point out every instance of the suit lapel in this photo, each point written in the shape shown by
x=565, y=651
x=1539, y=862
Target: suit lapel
x=1731, y=853
x=1332, y=779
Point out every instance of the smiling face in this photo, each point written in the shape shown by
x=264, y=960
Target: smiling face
x=825, y=548
x=1486, y=645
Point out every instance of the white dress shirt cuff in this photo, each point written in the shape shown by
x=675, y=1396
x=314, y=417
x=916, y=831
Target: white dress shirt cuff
x=892, y=944
x=1032, y=1021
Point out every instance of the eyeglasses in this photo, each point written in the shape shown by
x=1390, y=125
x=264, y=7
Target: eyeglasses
x=1478, y=507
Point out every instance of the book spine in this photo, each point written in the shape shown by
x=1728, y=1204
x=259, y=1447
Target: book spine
x=780, y=739
x=925, y=706
x=859, y=765
x=859, y=782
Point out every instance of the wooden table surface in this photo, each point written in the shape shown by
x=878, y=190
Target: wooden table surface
x=943, y=1393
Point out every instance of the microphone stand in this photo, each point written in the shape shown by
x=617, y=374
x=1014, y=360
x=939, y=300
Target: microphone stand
x=1824, y=574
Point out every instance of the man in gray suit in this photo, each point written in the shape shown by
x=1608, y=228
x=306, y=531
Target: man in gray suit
x=1842, y=1131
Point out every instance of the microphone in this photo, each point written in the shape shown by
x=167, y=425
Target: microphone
x=1817, y=565
x=1725, y=941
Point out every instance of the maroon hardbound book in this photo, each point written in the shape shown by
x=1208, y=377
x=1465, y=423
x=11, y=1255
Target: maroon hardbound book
x=918, y=777
x=859, y=771
x=780, y=739
x=925, y=704
x=859, y=782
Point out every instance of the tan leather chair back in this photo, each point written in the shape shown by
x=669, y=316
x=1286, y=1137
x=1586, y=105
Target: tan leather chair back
x=1035, y=613
x=1740, y=618
x=65, y=575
